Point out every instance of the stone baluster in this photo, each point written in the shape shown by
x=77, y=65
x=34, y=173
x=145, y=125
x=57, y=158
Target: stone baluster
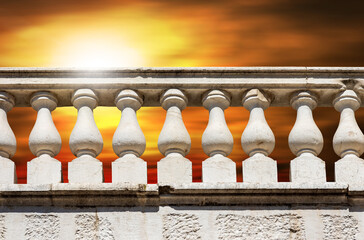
x=348, y=140
x=174, y=141
x=258, y=141
x=44, y=142
x=306, y=142
x=7, y=140
x=217, y=141
x=129, y=141
x=85, y=141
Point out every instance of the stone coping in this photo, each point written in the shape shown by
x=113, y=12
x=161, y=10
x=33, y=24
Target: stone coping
x=279, y=82
x=177, y=70
x=200, y=194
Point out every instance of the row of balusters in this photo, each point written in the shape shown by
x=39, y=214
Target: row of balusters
x=305, y=140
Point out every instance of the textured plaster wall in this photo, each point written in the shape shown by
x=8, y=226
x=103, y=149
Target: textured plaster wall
x=182, y=223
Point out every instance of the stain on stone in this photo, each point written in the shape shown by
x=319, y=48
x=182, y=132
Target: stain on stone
x=279, y=226
x=2, y=227
x=42, y=226
x=93, y=227
x=343, y=227
x=181, y=226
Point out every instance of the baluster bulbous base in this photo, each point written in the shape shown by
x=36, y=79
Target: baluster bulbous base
x=260, y=169
x=85, y=169
x=129, y=168
x=174, y=168
x=350, y=170
x=218, y=169
x=44, y=170
x=307, y=168
x=7, y=171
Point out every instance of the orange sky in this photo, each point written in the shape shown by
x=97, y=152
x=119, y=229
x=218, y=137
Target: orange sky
x=179, y=33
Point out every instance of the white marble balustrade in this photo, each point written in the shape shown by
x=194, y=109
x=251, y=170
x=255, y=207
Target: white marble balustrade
x=85, y=140
x=217, y=140
x=129, y=141
x=174, y=89
x=44, y=142
x=306, y=141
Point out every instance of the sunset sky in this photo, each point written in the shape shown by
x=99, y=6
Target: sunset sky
x=188, y=33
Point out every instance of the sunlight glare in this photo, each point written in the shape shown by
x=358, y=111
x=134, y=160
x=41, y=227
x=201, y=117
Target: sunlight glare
x=97, y=53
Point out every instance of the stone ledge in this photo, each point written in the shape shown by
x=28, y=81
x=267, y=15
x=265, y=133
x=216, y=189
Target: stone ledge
x=65, y=194
x=253, y=194
x=75, y=187
x=199, y=194
x=281, y=187
x=280, y=82
x=356, y=194
x=111, y=72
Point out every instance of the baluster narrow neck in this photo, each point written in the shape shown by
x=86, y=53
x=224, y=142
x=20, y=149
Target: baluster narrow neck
x=216, y=115
x=85, y=112
x=257, y=114
x=174, y=112
x=128, y=114
x=304, y=114
x=3, y=115
x=44, y=116
x=348, y=114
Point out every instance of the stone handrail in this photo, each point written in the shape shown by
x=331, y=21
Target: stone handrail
x=302, y=88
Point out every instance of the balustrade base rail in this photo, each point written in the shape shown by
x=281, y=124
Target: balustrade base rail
x=198, y=194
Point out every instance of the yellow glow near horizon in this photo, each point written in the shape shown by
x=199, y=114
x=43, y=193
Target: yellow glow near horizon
x=110, y=38
x=103, y=52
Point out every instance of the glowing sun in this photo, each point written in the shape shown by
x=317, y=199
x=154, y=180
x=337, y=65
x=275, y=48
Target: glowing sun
x=97, y=53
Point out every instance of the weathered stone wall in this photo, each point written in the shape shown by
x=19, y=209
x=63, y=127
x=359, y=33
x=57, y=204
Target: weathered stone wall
x=183, y=222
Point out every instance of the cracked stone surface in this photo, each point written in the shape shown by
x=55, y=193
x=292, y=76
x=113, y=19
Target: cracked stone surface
x=280, y=226
x=93, y=227
x=2, y=227
x=42, y=226
x=182, y=222
x=340, y=227
x=178, y=226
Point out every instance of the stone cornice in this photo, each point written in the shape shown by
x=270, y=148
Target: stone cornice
x=193, y=194
x=279, y=82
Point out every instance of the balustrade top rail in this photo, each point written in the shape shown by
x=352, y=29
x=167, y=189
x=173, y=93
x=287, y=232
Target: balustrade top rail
x=279, y=82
